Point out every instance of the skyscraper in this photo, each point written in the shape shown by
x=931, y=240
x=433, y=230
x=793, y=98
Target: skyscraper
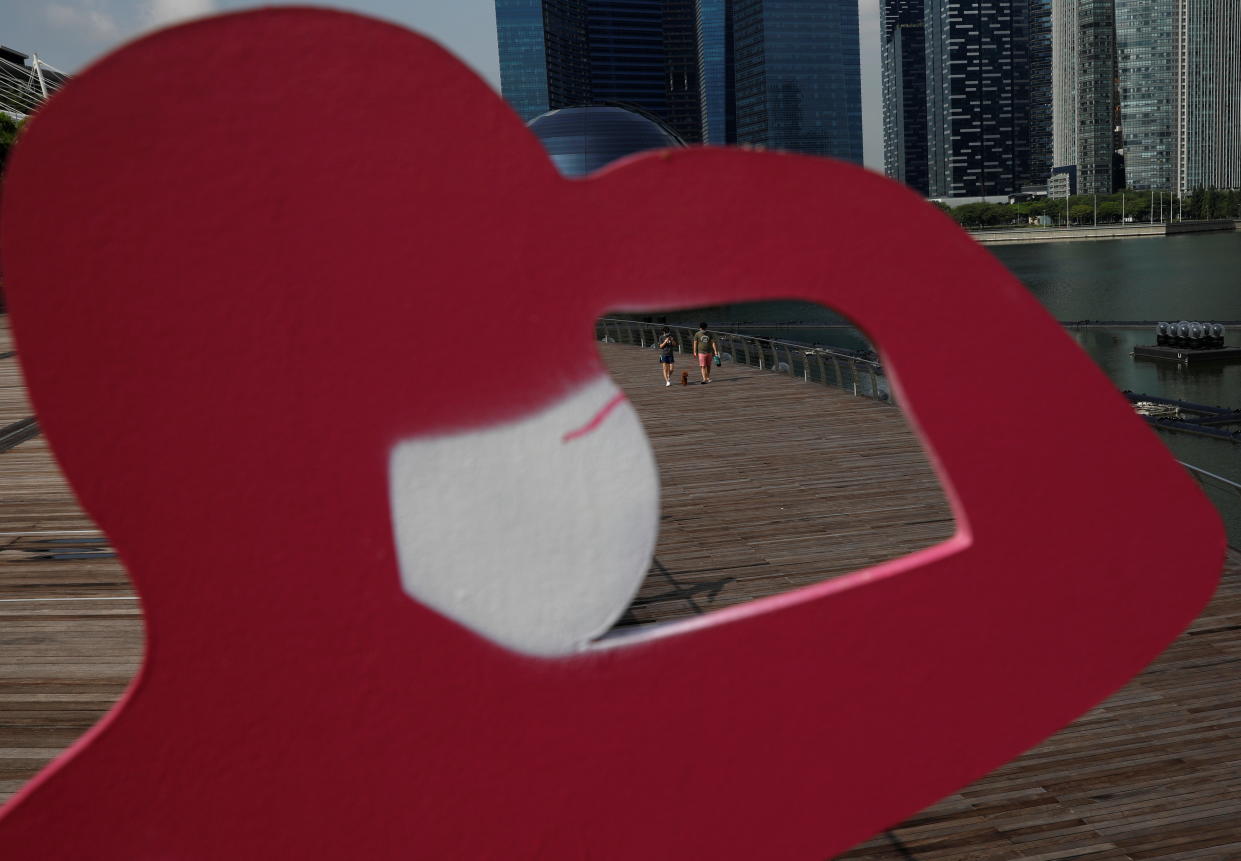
x=903, y=52
x=1145, y=61
x=1040, y=50
x=716, y=79
x=798, y=76
x=978, y=96
x=683, y=87
x=563, y=53
x=626, y=48
x=1207, y=116
x=1180, y=92
x=1084, y=87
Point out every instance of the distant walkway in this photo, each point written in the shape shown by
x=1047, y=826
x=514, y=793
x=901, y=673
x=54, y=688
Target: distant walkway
x=1136, y=230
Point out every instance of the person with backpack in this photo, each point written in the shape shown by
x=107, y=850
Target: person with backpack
x=705, y=348
x=667, y=354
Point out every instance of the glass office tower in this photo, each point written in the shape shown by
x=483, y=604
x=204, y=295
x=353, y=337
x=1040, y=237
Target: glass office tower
x=978, y=96
x=1145, y=62
x=716, y=81
x=1097, y=165
x=798, y=76
x=1085, y=93
x=1207, y=118
x=682, y=85
x=627, y=59
x=563, y=53
x=523, y=56
x=903, y=55
x=1040, y=49
x=1180, y=92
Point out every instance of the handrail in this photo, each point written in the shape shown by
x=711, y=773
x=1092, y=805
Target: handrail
x=863, y=377
x=1199, y=473
x=1231, y=514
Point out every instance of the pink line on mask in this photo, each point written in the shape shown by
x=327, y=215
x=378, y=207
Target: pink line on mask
x=596, y=421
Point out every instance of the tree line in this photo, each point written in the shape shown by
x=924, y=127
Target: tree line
x=9, y=128
x=1136, y=206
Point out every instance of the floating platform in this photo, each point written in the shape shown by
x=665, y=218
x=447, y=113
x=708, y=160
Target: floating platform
x=1187, y=356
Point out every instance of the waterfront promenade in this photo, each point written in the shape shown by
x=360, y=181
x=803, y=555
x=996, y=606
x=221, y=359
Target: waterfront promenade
x=1136, y=230
x=769, y=483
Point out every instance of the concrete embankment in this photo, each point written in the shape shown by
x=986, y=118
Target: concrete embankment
x=1012, y=236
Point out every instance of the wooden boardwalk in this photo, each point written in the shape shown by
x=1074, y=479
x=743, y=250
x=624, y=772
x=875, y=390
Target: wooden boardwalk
x=769, y=483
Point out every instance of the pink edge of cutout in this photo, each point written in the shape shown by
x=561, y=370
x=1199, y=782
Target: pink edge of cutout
x=597, y=420
x=958, y=543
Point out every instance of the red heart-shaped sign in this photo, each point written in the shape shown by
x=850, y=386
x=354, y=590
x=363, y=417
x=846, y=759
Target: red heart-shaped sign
x=237, y=252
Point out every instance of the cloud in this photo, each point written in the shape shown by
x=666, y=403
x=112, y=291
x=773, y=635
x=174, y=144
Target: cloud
x=83, y=19
x=161, y=12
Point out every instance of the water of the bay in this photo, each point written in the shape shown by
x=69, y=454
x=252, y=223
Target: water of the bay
x=1185, y=277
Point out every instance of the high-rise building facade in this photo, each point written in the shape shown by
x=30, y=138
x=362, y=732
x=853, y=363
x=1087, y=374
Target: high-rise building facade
x=626, y=48
x=523, y=56
x=564, y=53
x=1180, y=92
x=1064, y=82
x=978, y=96
x=798, y=76
x=1084, y=85
x=716, y=80
x=1146, y=69
x=1207, y=109
x=903, y=56
x=1098, y=167
x=682, y=84
x=1041, y=113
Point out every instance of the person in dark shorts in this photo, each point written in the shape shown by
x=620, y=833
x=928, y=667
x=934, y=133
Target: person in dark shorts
x=705, y=349
x=667, y=354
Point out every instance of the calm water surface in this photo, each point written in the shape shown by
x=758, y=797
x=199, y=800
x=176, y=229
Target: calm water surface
x=1188, y=277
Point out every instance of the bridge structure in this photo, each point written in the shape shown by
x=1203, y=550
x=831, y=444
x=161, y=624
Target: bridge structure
x=774, y=476
x=26, y=81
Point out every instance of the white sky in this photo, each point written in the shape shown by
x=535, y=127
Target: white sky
x=68, y=34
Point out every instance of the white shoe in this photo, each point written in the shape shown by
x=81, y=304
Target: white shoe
x=667, y=382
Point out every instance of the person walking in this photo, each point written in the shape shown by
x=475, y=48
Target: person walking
x=705, y=349
x=667, y=354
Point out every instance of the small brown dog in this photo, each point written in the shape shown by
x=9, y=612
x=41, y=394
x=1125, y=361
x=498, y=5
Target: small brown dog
x=685, y=378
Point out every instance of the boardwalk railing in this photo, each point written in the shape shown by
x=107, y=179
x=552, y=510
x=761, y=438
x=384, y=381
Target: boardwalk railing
x=836, y=368
x=1226, y=494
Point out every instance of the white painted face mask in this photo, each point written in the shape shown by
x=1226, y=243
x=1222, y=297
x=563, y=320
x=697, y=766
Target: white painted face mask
x=535, y=533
